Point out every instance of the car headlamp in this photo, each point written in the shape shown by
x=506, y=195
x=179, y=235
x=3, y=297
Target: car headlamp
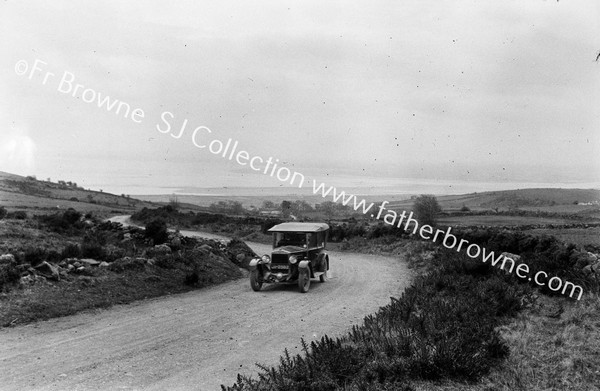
x=293, y=259
x=266, y=259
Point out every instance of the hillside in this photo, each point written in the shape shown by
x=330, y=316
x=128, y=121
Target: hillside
x=554, y=200
x=30, y=194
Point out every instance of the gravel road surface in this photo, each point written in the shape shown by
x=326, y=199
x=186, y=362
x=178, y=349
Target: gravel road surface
x=196, y=340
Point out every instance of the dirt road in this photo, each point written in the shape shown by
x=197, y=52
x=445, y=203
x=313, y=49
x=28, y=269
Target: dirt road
x=197, y=340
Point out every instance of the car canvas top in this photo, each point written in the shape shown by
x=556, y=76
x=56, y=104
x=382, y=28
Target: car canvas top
x=299, y=227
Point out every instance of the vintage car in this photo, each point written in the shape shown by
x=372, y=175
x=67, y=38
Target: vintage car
x=298, y=255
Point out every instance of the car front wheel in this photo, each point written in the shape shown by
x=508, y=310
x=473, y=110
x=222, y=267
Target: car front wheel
x=255, y=283
x=304, y=281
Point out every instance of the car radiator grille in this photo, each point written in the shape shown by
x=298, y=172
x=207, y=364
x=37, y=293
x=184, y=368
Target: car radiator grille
x=280, y=258
x=279, y=263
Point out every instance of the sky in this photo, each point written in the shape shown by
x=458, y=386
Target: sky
x=349, y=92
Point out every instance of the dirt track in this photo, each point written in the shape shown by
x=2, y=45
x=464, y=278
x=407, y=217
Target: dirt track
x=195, y=340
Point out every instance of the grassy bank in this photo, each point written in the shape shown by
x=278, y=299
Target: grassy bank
x=60, y=264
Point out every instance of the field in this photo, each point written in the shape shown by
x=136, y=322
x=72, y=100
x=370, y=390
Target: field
x=41, y=197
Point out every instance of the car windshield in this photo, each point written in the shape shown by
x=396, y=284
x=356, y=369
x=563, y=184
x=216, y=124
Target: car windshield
x=290, y=239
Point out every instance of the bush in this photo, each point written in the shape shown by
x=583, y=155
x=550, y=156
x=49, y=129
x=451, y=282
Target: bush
x=426, y=209
x=17, y=215
x=35, y=255
x=157, y=231
x=8, y=275
x=71, y=216
x=71, y=251
x=93, y=250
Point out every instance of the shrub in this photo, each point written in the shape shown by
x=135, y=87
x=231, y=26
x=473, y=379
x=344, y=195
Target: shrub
x=157, y=231
x=17, y=215
x=35, y=255
x=93, y=250
x=71, y=216
x=8, y=275
x=71, y=251
x=426, y=209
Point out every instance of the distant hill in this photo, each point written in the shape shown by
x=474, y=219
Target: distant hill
x=550, y=200
x=28, y=193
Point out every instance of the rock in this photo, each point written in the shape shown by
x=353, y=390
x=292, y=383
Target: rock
x=80, y=269
x=31, y=279
x=70, y=267
x=176, y=242
x=514, y=257
x=104, y=264
x=7, y=258
x=127, y=236
x=89, y=262
x=161, y=249
x=587, y=270
x=23, y=269
x=48, y=270
x=595, y=267
x=205, y=248
x=76, y=264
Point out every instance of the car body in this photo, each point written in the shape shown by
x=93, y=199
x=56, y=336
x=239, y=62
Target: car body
x=299, y=254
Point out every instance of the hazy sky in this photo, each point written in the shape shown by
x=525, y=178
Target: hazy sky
x=436, y=90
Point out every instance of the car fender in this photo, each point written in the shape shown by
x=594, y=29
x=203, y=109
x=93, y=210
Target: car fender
x=253, y=263
x=323, y=261
x=303, y=264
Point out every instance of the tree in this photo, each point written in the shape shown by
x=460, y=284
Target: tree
x=286, y=208
x=174, y=202
x=426, y=209
x=328, y=208
x=268, y=204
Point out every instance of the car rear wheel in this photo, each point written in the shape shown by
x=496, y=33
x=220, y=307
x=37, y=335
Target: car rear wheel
x=255, y=283
x=304, y=280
